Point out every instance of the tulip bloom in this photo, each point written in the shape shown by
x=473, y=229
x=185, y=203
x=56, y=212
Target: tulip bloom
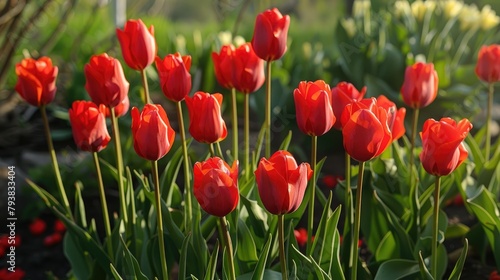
x=443, y=149
x=420, y=85
x=174, y=74
x=105, y=81
x=270, y=34
x=248, y=69
x=138, y=44
x=152, y=133
x=365, y=130
x=36, y=80
x=281, y=182
x=343, y=94
x=395, y=117
x=89, y=126
x=37, y=226
x=216, y=186
x=223, y=66
x=313, y=107
x=301, y=236
x=488, y=64
x=206, y=124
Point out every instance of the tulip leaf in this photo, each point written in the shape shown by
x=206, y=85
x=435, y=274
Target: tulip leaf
x=424, y=272
x=258, y=149
x=131, y=266
x=170, y=175
x=212, y=263
x=387, y=249
x=477, y=154
x=286, y=142
x=80, y=214
x=259, y=270
x=397, y=269
x=457, y=230
x=183, y=257
x=457, y=270
x=246, y=251
x=115, y=273
x=76, y=255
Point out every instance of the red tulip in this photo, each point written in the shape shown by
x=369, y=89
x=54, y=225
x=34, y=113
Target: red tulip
x=105, y=81
x=282, y=182
x=152, y=133
x=313, y=107
x=216, y=186
x=248, y=72
x=488, y=64
x=270, y=34
x=301, y=236
x=59, y=226
x=442, y=145
x=17, y=274
x=89, y=126
x=331, y=181
x=343, y=94
x=52, y=240
x=206, y=124
x=420, y=85
x=120, y=109
x=37, y=226
x=36, y=80
x=223, y=66
x=137, y=43
x=395, y=117
x=494, y=275
x=174, y=74
x=7, y=241
x=365, y=129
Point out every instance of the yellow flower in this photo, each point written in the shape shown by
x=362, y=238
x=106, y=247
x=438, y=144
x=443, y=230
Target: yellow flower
x=349, y=26
x=489, y=19
x=451, y=8
x=419, y=8
x=361, y=7
x=402, y=8
x=470, y=18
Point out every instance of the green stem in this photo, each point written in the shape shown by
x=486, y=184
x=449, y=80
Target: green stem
x=235, y=123
x=312, y=186
x=119, y=164
x=104, y=205
x=219, y=150
x=55, y=165
x=489, y=107
x=462, y=48
x=229, y=247
x=348, y=202
x=211, y=149
x=268, y=110
x=357, y=221
x=247, y=135
x=412, y=141
x=188, y=215
x=281, y=241
x=146, y=97
x=159, y=219
x=435, y=228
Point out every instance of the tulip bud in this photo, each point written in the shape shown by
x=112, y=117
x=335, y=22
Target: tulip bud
x=488, y=64
x=36, y=80
x=89, y=126
x=442, y=145
x=281, y=182
x=138, y=44
x=174, y=75
x=270, y=34
x=313, y=107
x=105, y=81
x=420, y=85
x=206, y=124
x=223, y=66
x=365, y=130
x=343, y=94
x=248, y=69
x=152, y=133
x=216, y=186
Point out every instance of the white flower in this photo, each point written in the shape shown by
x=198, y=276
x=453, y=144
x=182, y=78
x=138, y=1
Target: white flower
x=489, y=19
x=402, y=8
x=451, y=8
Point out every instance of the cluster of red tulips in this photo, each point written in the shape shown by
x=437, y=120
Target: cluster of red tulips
x=368, y=125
